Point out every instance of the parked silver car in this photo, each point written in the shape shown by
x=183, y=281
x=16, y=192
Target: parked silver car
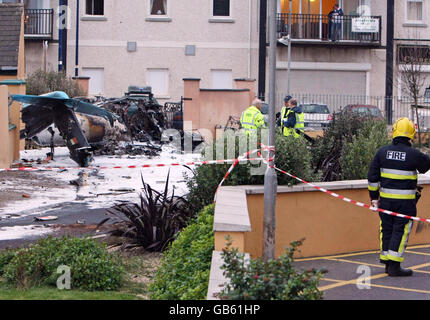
x=316, y=115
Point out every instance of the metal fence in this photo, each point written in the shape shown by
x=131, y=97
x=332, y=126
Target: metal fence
x=401, y=106
x=319, y=27
x=173, y=112
x=39, y=22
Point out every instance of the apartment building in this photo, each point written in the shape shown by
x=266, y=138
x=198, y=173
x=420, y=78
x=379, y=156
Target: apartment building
x=411, y=42
x=150, y=42
x=160, y=42
x=353, y=64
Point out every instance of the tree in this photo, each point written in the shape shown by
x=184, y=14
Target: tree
x=411, y=61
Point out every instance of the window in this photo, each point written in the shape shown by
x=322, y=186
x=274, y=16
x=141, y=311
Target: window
x=221, y=8
x=95, y=7
x=414, y=10
x=158, y=79
x=158, y=7
x=37, y=4
x=96, y=75
x=221, y=79
x=417, y=54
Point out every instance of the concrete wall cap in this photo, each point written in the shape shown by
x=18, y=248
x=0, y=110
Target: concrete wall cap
x=229, y=201
x=13, y=82
x=226, y=90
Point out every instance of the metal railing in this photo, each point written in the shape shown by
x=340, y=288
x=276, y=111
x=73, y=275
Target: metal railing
x=319, y=27
x=173, y=112
x=39, y=23
x=401, y=106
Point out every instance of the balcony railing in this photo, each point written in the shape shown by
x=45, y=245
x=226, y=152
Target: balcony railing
x=38, y=23
x=317, y=28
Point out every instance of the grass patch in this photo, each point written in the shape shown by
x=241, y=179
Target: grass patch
x=56, y=294
x=140, y=268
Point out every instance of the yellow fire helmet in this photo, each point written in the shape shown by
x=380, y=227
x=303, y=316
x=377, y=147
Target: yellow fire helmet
x=404, y=128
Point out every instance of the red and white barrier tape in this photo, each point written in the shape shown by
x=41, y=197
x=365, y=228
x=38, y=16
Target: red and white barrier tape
x=357, y=203
x=155, y=165
x=244, y=156
x=234, y=163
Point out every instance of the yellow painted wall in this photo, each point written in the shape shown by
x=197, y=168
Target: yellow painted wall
x=15, y=118
x=6, y=152
x=237, y=239
x=330, y=225
x=21, y=53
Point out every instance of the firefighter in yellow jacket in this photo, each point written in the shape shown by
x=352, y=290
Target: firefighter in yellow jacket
x=392, y=178
x=252, y=118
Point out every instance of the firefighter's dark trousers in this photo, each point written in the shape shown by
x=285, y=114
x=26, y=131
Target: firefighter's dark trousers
x=394, y=231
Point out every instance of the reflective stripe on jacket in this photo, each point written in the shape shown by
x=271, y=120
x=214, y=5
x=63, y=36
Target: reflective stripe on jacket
x=300, y=123
x=393, y=172
x=252, y=119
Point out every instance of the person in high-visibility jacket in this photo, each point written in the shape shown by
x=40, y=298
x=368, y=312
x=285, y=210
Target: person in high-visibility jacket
x=292, y=119
x=284, y=109
x=252, y=118
x=392, y=184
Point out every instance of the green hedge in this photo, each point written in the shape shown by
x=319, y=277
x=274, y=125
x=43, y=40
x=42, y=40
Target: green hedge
x=357, y=155
x=91, y=266
x=292, y=155
x=184, y=273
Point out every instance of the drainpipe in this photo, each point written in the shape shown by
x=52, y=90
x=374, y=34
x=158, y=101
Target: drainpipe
x=289, y=49
x=77, y=41
x=250, y=39
x=62, y=35
x=389, y=63
x=262, y=51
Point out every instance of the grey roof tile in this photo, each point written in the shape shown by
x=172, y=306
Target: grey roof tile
x=10, y=30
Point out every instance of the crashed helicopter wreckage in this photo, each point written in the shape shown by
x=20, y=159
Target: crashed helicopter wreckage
x=54, y=119
x=81, y=125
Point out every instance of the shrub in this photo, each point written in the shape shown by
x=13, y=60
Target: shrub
x=184, y=272
x=331, y=151
x=275, y=279
x=154, y=222
x=91, y=266
x=292, y=155
x=5, y=257
x=357, y=155
x=40, y=82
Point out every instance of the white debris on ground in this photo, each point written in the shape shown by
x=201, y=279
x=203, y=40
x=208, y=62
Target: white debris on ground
x=19, y=232
x=105, y=187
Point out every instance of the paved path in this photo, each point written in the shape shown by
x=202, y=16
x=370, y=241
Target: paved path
x=347, y=270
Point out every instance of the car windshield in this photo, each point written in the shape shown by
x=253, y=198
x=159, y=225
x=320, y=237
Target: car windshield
x=315, y=108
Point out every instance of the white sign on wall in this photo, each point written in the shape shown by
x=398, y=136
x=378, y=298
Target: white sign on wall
x=365, y=24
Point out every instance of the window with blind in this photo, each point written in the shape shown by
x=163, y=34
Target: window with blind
x=158, y=7
x=414, y=10
x=95, y=7
x=158, y=80
x=221, y=8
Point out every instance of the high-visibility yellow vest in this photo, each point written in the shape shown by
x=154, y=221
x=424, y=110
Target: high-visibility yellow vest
x=300, y=122
x=252, y=119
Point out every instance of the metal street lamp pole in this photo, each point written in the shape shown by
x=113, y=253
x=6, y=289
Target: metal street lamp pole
x=289, y=48
x=270, y=178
